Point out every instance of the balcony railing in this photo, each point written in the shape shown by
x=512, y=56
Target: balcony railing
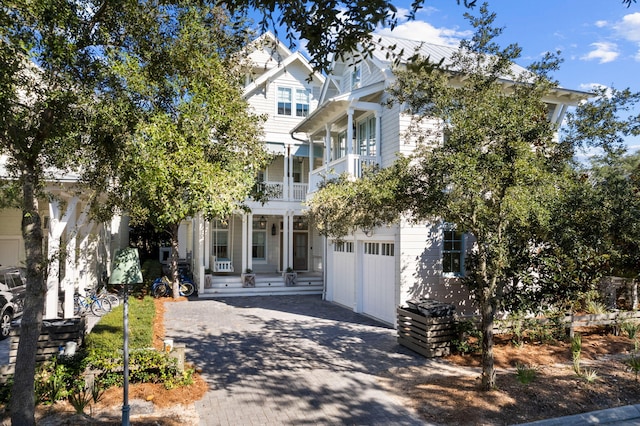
x=352, y=164
x=274, y=191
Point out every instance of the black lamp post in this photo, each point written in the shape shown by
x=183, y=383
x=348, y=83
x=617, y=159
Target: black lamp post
x=126, y=270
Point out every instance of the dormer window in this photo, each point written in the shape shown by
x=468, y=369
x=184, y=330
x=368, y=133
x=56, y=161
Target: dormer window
x=355, y=77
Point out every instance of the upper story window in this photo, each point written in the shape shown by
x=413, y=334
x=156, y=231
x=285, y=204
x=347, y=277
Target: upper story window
x=453, y=252
x=284, y=101
x=302, y=102
x=355, y=77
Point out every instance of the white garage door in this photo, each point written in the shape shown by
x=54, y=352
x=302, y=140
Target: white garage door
x=343, y=274
x=378, y=281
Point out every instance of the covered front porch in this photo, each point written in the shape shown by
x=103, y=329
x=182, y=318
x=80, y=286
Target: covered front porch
x=264, y=245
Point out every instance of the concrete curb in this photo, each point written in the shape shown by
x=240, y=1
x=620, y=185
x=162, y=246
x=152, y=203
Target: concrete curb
x=627, y=415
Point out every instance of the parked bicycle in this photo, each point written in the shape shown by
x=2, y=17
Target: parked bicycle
x=162, y=287
x=113, y=298
x=92, y=302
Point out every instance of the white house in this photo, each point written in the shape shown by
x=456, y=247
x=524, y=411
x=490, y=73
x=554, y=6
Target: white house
x=274, y=236
x=78, y=249
x=373, y=273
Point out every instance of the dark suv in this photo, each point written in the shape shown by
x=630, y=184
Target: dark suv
x=12, y=289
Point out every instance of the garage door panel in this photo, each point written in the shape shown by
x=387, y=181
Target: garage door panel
x=379, y=285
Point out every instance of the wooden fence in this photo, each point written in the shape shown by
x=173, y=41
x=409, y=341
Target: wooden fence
x=53, y=338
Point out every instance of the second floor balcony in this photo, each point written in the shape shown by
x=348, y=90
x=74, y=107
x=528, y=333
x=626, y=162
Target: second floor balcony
x=352, y=164
x=280, y=191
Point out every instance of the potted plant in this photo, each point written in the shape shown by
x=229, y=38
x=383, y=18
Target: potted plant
x=248, y=278
x=208, y=278
x=290, y=277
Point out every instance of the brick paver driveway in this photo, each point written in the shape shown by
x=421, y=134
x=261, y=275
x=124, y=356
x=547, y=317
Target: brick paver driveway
x=290, y=360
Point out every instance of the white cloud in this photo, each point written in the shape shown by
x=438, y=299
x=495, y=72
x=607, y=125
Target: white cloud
x=601, y=24
x=629, y=27
x=420, y=30
x=603, y=51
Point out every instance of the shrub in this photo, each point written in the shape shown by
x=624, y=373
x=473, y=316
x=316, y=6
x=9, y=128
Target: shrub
x=469, y=338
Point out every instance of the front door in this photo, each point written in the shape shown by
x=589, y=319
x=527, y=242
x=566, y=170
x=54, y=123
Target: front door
x=300, y=251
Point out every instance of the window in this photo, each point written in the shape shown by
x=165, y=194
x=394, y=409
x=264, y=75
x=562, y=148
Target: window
x=367, y=137
x=371, y=248
x=302, y=102
x=297, y=169
x=355, y=77
x=387, y=249
x=284, y=101
x=220, y=233
x=452, y=252
x=339, y=146
x=259, y=243
x=343, y=246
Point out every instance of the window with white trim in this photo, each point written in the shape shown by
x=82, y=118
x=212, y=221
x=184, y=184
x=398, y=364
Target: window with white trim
x=220, y=237
x=284, y=101
x=302, y=102
x=339, y=149
x=259, y=242
x=453, y=252
x=367, y=137
x=355, y=77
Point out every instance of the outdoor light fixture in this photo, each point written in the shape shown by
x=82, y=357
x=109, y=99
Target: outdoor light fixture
x=126, y=270
x=262, y=223
x=273, y=229
x=298, y=223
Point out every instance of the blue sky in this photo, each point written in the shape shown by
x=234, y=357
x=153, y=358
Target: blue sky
x=599, y=40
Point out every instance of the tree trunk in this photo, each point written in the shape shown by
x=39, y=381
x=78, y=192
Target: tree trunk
x=488, y=314
x=22, y=396
x=175, y=279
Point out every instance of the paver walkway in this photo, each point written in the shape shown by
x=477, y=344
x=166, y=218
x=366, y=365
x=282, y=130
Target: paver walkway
x=290, y=360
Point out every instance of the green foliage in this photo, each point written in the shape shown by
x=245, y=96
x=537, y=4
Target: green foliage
x=469, y=338
x=634, y=360
x=631, y=328
x=341, y=206
x=58, y=378
x=576, y=352
x=526, y=374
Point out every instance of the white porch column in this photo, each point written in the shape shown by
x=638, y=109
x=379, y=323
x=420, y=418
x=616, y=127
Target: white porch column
x=378, y=138
x=350, y=131
x=207, y=244
x=250, y=241
x=244, y=244
x=200, y=248
x=287, y=172
x=286, y=219
x=70, y=267
x=87, y=258
x=290, y=240
x=58, y=223
x=290, y=175
x=327, y=143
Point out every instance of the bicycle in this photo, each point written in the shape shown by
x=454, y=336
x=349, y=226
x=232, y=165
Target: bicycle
x=91, y=302
x=162, y=287
x=114, y=299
